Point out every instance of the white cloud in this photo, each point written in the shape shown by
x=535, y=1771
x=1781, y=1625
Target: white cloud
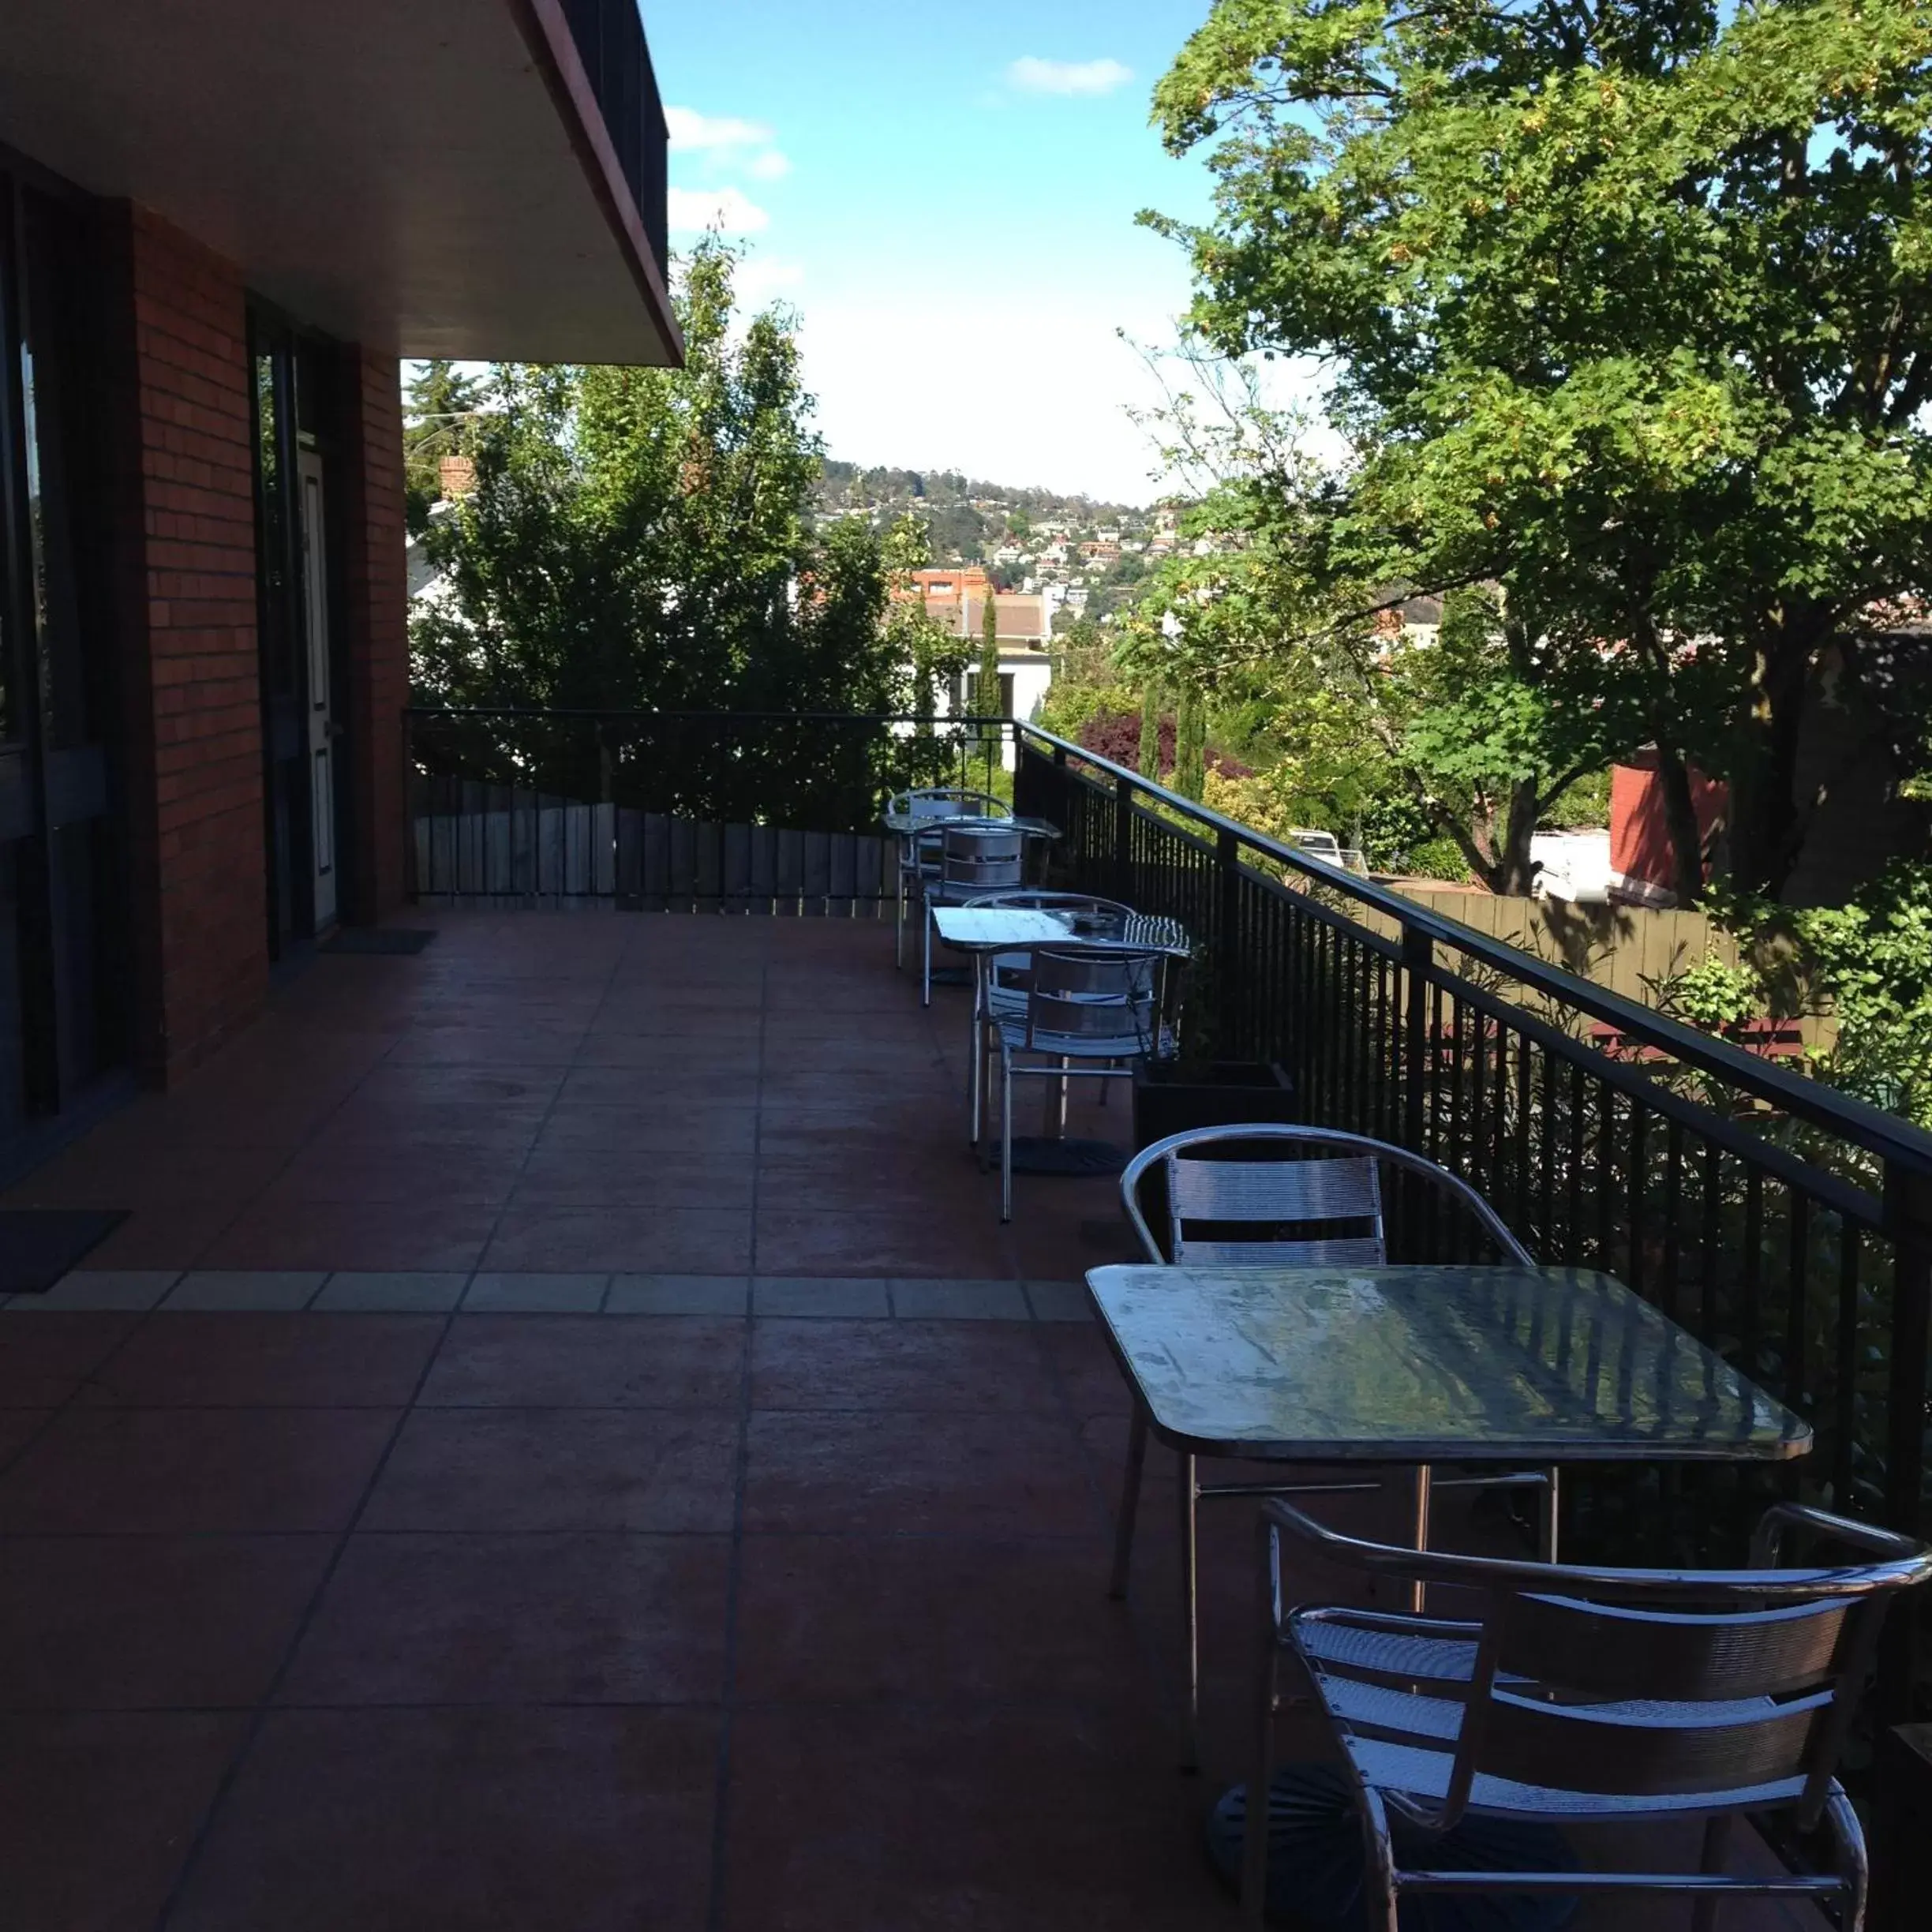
x=1033, y=76
x=769, y=165
x=691, y=131
x=759, y=279
x=692, y=210
x=1050, y=379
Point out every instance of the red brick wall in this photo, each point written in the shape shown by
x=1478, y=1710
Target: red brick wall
x=189, y=662
x=375, y=581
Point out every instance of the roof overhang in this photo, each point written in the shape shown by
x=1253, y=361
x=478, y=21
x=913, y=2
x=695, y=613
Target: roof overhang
x=424, y=177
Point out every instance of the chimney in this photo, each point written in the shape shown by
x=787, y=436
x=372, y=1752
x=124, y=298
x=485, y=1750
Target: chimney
x=457, y=474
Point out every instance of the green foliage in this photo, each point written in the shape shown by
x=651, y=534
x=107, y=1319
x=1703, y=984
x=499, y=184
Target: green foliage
x=1583, y=806
x=1070, y=702
x=913, y=636
x=1628, y=305
x=1872, y=958
x=1868, y=964
x=1148, y=763
x=636, y=538
x=1713, y=994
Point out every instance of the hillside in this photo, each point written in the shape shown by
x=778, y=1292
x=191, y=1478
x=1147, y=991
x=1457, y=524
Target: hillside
x=970, y=519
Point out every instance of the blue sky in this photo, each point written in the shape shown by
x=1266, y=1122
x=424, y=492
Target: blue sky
x=946, y=194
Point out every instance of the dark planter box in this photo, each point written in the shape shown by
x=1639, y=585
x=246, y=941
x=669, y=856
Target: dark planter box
x=1232, y=1091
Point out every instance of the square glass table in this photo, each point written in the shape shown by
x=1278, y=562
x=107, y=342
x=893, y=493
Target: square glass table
x=1415, y=1366
x=1431, y=1364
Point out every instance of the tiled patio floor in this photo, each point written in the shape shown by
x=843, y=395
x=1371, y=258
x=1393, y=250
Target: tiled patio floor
x=564, y=1441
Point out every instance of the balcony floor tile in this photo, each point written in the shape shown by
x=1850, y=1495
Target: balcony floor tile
x=438, y=1617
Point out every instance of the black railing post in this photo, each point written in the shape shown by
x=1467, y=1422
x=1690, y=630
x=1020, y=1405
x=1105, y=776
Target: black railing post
x=1418, y=962
x=1226, y=953
x=1908, y=1220
x=1123, y=839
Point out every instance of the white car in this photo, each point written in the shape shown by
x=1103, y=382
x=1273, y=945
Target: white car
x=1326, y=846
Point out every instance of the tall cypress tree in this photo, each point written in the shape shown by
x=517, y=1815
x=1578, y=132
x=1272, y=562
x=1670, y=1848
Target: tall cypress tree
x=1190, y=772
x=987, y=698
x=1150, y=731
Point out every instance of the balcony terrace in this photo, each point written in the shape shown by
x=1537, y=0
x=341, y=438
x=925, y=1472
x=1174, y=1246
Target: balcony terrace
x=563, y=1438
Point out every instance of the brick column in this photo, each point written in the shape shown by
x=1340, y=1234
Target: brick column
x=192, y=749
x=376, y=585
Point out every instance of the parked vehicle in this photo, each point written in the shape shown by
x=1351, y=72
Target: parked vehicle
x=1572, y=866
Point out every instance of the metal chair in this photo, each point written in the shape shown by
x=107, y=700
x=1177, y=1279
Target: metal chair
x=1083, y=1004
x=1342, y=1188
x=1000, y=985
x=1587, y=1696
x=919, y=852
x=973, y=859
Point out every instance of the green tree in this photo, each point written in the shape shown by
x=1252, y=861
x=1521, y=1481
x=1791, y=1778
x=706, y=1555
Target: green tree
x=636, y=538
x=1631, y=302
x=914, y=638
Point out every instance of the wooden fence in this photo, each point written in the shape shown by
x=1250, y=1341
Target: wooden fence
x=477, y=841
x=1632, y=950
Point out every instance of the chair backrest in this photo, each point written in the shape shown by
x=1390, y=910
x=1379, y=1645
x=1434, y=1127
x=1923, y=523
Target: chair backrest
x=1267, y=1197
x=1037, y=899
x=1639, y=1684
x=1011, y=973
x=950, y=802
x=1318, y=1176
x=1101, y=1004
x=974, y=858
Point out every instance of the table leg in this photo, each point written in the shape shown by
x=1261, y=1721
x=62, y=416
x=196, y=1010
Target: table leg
x=1546, y=1518
x=1421, y=1483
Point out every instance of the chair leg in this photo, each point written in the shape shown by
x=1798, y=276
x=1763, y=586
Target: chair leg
x=1064, y=1083
x=926, y=925
x=1716, y=1843
x=1005, y=1133
x=1129, y=1505
x=1255, y=1831
x=975, y=1037
x=1420, y=1479
x=1852, y=1862
x=899, y=920
x=1384, y=1901
x=1190, y=1611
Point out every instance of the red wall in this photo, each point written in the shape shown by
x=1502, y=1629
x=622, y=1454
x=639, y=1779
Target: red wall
x=188, y=654
x=1640, y=841
x=184, y=548
x=375, y=573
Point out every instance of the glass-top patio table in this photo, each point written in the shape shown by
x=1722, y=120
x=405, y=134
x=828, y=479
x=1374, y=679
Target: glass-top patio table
x=905, y=825
x=1421, y=1365
x=1413, y=1367
x=985, y=931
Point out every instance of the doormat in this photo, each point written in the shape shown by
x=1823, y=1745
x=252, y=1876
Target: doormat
x=379, y=939
x=37, y=1245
